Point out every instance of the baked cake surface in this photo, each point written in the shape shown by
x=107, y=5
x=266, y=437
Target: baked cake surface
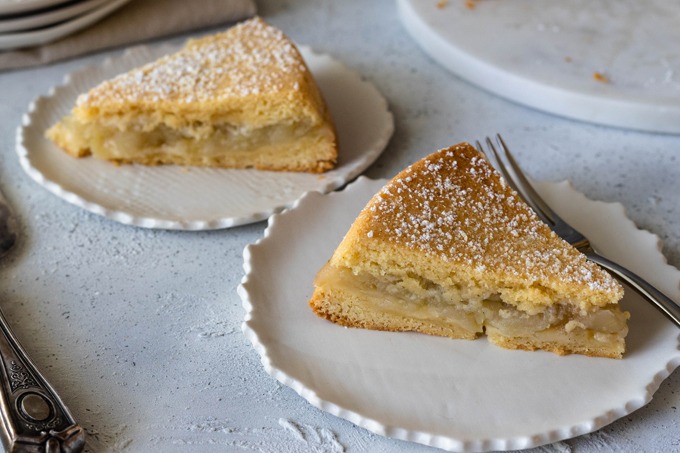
x=242, y=98
x=447, y=248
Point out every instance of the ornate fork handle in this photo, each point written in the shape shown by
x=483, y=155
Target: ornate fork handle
x=667, y=305
x=34, y=419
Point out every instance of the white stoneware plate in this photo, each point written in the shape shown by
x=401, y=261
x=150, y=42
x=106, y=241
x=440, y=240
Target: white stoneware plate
x=8, y=7
x=193, y=198
x=453, y=394
x=547, y=55
x=52, y=33
x=47, y=17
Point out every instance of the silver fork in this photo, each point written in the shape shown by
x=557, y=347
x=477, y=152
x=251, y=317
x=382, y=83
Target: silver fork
x=32, y=416
x=515, y=178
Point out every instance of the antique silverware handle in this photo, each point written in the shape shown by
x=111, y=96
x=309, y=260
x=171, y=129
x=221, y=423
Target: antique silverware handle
x=34, y=419
x=663, y=302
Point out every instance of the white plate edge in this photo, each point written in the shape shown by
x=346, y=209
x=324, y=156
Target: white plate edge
x=618, y=209
x=22, y=39
x=56, y=188
x=49, y=17
x=603, y=110
x=306, y=393
x=12, y=8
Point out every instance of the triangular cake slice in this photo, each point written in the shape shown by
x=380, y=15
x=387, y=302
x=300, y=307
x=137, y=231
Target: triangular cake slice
x=243, y=98
x=447, y=248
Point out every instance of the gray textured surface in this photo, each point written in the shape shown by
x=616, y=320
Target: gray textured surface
x=140, y=330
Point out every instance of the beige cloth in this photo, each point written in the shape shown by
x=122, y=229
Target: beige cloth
x=138, y=21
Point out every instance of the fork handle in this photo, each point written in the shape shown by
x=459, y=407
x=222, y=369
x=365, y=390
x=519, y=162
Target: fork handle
x=33, y=417
x=664, y=303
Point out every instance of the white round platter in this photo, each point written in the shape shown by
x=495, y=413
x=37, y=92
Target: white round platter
x=11, y=7
x=610, y=62
x=49, y=34
x=457, y=395
x=195, y=198
x=47, y=17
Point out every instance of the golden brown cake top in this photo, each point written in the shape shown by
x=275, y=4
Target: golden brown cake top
x=250, y=60
x=455, y=207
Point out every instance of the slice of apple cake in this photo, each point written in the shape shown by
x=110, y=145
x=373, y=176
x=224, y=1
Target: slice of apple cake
x=243, y=98
x=447, y=248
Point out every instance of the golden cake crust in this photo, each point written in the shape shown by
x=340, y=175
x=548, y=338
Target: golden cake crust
x=470, y=223
x=251, y=73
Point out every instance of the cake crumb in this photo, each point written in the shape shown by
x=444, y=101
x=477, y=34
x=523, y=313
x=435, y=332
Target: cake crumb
x=598, y=76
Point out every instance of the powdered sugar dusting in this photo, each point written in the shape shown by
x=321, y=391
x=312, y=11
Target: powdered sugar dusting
x=455, y=206
x=251, y=58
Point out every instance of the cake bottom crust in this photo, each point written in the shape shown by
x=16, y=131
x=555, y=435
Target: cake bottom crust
x=576, y=343
x=350, y=311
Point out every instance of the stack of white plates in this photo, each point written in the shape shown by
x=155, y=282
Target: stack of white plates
x=26, y=23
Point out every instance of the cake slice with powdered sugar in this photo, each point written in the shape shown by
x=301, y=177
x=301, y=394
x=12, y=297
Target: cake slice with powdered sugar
x=243, y=98
x=447, y=248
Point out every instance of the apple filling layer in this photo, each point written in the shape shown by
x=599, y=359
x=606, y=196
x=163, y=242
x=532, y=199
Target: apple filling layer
x=468, y=312
x=201, y=144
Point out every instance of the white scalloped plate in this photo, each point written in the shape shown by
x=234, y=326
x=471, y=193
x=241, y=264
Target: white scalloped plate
x=546, y=55
x=453, y=394
x=194, y=198
x=48, y=17
x=9, y=7
x=27, y=38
